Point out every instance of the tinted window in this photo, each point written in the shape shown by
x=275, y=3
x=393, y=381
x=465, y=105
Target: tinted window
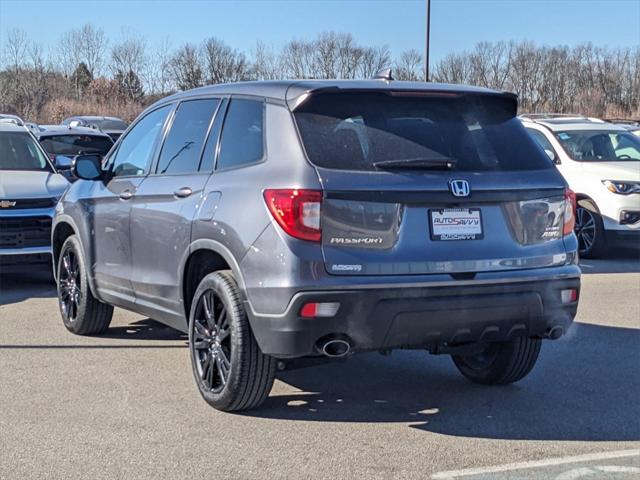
x=135, y=150
x=19, y=151
x=600, y=146
x=76, y=144
x=242, y=138
x=209, y=154
x=183, y=145
x=353, y=131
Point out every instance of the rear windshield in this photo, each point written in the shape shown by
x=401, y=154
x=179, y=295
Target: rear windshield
x=354, y=131
x=19, y=151
x=76, y=144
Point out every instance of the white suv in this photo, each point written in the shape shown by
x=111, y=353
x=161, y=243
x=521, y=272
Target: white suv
x=601, y=163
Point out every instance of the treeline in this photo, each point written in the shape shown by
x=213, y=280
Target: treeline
x=86, y=73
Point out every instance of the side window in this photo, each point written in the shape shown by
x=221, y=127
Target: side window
x=541, y=139
x=209, y=154
x=135, y=150
x=242, y=140
x=183, y=145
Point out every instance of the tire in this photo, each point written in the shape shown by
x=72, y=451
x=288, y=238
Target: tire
x=81, y=312
x=230, y=370
x=501, y=363
x=589, y=230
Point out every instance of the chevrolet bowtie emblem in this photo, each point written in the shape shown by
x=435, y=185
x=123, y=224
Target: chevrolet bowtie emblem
x=7, y=204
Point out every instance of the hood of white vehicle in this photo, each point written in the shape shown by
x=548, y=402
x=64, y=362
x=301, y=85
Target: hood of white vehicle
x=627, y=170
x=15, y=184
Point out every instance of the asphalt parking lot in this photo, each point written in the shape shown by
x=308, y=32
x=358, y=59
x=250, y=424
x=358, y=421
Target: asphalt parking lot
x=124, y=405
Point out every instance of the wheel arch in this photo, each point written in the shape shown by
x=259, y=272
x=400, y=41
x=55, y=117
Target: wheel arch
x=63, y=227
x=584, y=196
x=205, y=257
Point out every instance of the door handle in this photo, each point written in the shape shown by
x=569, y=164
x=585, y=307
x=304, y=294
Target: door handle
x=126, y=195
x=183, y=192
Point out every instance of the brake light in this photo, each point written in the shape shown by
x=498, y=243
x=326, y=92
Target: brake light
x=297, y=211
x=569, y=211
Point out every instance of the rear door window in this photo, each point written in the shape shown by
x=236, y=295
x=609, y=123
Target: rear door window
x=183, y=145
x=242, y=141
x=356, y=131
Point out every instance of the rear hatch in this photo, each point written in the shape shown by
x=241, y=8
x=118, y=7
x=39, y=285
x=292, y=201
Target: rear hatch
x=431, y=182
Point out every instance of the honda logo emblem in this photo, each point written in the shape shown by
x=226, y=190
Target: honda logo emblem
x=459, y=188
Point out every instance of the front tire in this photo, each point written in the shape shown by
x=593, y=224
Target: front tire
x=589, y=230
x=500, y=363
x=81, y=312
x=229, y=368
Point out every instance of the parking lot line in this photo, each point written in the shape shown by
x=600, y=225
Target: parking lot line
x=536, y=464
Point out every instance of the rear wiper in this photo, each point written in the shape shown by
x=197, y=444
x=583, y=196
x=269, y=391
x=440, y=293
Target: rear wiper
x=417, y=164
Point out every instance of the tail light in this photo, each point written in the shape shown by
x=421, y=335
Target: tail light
x=297, y=211
x=569, y=211
x=543, y=219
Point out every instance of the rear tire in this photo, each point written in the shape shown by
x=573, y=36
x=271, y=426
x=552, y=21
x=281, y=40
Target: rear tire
x=589, y=230
x=81, y=312
x=501, y=363
x=230, y=370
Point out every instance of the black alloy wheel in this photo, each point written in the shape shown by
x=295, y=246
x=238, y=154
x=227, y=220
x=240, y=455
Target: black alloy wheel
x=70, y=286
x=211, y=346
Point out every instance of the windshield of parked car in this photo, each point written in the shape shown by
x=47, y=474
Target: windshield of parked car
x=380, y=130
x=19, y=151
x=599, y=145
x=71, y=145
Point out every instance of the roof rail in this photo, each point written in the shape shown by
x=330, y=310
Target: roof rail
x=539, y=116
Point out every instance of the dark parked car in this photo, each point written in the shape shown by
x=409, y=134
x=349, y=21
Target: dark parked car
x=279, y=221
x=112, y=126
x=64, y=144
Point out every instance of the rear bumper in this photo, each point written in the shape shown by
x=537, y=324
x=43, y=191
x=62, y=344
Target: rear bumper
x=419, y=317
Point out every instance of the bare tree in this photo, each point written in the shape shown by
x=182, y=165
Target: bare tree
x=158, y=74
x=186, y=67
x=128, y=63
x=373, y=59
x=409, y=66
x=221, y=63
x=266, y=64
x=93, y=46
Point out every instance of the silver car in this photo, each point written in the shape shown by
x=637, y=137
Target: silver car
x=29, y=190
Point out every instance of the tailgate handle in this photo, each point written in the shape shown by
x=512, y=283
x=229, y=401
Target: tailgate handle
x=183, y=192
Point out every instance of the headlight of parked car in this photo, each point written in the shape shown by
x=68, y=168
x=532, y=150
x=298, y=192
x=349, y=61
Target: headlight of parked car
x=623, y=188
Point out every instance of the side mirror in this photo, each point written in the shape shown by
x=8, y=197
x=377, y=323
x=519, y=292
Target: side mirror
x=63, y=163
x=552, y=155
x=88, y=167
x=74, y=123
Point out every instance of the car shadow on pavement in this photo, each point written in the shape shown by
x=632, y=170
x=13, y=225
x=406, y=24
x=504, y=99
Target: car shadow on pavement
x=584, y=388
x=620, y=260
x=146, y=329
x=33, y=282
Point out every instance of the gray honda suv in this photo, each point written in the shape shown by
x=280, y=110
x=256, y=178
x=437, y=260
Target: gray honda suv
x=280, y=221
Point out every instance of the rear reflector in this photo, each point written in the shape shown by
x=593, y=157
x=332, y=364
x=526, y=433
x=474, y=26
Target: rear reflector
x=297, y=211
x=313, y=310
x=569, y=296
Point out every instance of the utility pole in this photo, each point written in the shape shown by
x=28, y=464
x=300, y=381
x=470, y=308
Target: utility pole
x=426, y=46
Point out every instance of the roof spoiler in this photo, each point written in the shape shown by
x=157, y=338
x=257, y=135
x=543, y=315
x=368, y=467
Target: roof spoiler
x=510, y=100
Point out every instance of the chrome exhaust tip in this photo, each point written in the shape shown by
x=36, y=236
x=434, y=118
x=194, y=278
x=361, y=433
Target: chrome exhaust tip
x=336, y=347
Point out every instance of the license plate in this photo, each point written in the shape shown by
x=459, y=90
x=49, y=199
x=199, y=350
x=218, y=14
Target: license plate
x=456, y=224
